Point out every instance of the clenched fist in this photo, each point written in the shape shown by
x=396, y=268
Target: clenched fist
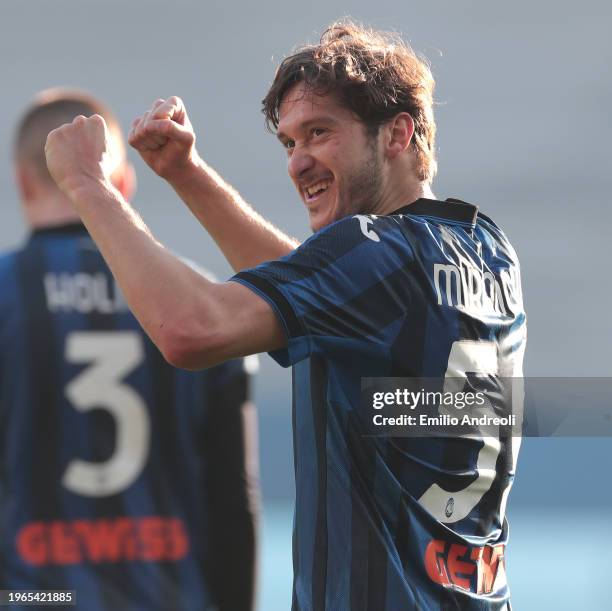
x=81, y=152
x=164, y=138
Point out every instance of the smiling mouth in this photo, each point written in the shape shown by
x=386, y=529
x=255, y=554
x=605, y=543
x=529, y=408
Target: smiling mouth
x=315, y=191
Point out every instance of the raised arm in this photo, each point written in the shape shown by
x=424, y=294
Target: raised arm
x=165, y=139
x=194, y=322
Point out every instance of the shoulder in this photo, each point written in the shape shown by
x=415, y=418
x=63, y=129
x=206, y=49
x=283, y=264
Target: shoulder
x=495, y=236
x=7, y=260
x=485, y=221
x=9, y=295
x=356, y=250
x=359, y=227
x=8, y=267
x=358, y=235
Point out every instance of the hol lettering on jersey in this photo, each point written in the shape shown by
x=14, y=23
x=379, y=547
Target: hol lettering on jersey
x=83, y=293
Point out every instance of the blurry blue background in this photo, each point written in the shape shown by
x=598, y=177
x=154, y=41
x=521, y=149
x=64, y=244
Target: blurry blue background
x=524, y=96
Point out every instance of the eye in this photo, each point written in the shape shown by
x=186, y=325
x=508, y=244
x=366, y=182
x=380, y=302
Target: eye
x=288, y=144
x=317, y=131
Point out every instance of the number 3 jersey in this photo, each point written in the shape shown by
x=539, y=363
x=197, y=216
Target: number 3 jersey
x=121, y=478
x=385, y=523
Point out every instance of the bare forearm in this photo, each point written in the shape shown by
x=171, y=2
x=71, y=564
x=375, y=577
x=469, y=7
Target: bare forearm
x=159, y=288
x=244, y=236
x=165, y=139
x=194, y=322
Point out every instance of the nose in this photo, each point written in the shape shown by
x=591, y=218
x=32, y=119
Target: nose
x=300, y=163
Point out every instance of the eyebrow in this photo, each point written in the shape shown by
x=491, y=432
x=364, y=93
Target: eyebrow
x=325, y=120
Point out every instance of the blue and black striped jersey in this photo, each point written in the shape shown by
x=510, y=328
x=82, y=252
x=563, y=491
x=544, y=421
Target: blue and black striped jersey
x=121, y=477
x=388, y=523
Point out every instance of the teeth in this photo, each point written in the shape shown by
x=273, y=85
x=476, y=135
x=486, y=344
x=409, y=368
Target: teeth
x=324, y=184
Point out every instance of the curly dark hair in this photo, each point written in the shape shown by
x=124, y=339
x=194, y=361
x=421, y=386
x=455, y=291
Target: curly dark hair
x=374, y=74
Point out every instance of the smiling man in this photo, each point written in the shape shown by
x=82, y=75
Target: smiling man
x=334, y=162
x=392, y=283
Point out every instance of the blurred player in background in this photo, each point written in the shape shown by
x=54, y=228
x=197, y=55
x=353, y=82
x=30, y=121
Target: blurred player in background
x=394, y=282
x=121, y=477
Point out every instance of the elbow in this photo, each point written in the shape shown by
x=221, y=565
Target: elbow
x=189, y=345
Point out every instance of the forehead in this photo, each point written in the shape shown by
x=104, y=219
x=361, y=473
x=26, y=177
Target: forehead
x=302, y=105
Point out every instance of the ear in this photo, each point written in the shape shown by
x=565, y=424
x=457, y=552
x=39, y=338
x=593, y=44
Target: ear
x=124, y=180
x=398, y=134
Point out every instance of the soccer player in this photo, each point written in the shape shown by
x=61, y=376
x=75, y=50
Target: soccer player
x=122, y=478
x=393, y=282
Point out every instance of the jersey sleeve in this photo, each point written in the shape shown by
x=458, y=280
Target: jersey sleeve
x=335, y=292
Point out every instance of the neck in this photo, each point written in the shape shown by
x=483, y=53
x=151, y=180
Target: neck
x=49, y=210
x=401, y=184
x=402, y=194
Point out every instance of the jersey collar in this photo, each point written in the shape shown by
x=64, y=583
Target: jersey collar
x=450, y=210
x=75, y=228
